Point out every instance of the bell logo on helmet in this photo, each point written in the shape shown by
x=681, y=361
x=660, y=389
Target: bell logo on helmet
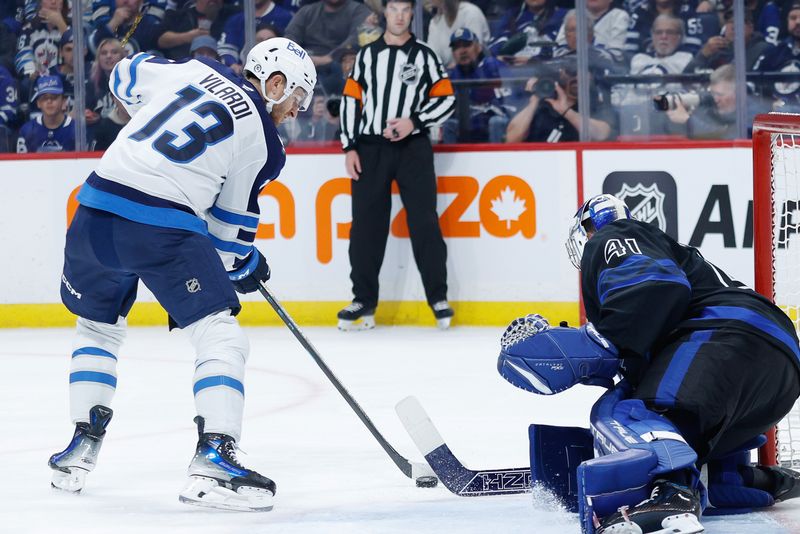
x=298, y=51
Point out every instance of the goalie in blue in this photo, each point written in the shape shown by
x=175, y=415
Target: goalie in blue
x=706, y=366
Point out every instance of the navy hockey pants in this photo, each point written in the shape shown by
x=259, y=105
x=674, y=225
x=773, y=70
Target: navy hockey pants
x=106, y=255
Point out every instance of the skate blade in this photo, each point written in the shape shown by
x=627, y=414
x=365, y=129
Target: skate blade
x=444, y=323
x=675, y=524
x=680, y=524
x=623, y=528
x=70, y=480
x=367, y=322
x=208, y=493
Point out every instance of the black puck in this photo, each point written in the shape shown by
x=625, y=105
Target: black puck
x=427, y=482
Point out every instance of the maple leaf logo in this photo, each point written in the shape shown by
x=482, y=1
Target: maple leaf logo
x=507, y=206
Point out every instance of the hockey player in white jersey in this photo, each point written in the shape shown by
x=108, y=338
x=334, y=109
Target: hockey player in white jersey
x=174, y=203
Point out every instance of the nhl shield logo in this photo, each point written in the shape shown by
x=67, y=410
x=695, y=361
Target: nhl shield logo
x=646, y=203
x=193, y=285
x=409, y=73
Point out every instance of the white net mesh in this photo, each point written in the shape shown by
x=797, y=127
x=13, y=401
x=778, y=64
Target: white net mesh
x=785, y=154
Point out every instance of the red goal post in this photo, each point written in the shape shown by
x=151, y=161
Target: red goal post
x=776, y=192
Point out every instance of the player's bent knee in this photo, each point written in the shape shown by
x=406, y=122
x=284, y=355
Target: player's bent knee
x=108, y=337
x=219, y=336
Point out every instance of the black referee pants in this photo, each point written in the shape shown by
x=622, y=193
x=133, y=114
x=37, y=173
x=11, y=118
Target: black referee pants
x=410, y=163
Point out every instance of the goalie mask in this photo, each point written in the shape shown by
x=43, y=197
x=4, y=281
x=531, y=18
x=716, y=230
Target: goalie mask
x=287, y=57
x=594, y=214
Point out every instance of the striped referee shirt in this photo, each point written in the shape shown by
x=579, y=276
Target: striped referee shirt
x=390, y=82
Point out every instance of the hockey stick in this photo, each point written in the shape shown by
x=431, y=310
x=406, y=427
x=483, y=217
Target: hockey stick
x=457, y=478
x=410, y=469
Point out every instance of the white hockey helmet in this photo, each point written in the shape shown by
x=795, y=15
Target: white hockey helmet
x=287, y=57
x=594, y=214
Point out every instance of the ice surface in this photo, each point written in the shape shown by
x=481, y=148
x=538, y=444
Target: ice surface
x=332, y=476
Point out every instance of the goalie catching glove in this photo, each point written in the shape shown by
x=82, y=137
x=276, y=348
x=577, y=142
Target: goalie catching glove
x=541, y=359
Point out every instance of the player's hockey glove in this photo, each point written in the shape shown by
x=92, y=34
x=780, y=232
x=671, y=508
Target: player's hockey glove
x=546, y=360
x=247, y=278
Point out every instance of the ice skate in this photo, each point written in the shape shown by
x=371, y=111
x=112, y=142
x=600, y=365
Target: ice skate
x=218, y=480
x=443, y=313
x=671, y=509
x=71, y=465
x=356, y=316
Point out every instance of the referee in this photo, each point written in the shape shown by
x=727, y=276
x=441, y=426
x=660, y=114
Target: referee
x=397, y=90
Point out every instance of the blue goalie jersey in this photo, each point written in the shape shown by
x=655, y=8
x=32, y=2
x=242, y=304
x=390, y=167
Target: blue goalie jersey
x=199, y=148
x=641, y=289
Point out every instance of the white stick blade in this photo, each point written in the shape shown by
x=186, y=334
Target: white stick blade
x=418, y=425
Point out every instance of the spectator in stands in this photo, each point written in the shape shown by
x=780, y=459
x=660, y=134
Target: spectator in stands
x=265, y=30
x=552, y=113
x=204, y=46
x=126, y=14
x=481, y=101
x=767, y=15
x=65, y=66
x=666, y=58
x=107, y=129
x=600, y=60
x=321, y=126
x=718, y=50
x=8, y=109
x=610, y=27
x=232, y=40
x=8, y=47
x=39, y=38
x=346, y=57
x=323, y=27
x=99, y=100
x=698, y=27
x=53, y=130
x=783, y=58
x=451, y=15
x=181, y=27
x=716, y=119
x=525, y=29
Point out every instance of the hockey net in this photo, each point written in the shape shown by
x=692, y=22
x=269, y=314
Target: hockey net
x=776, y=227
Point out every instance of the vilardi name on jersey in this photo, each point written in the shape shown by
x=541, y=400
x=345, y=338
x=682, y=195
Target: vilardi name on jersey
x=229, y=94
x=195, y=155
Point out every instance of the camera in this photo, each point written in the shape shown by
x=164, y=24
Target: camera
x=545, y=88
x=334, y=106
x=669, y=101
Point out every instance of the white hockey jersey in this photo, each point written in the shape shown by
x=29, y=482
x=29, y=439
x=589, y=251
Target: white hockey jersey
x=199, y=148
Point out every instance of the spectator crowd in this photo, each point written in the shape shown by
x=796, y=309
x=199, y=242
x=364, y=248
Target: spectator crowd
x=512, y=63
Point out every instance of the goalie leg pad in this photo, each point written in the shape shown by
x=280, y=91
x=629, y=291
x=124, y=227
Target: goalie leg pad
x=634, y=446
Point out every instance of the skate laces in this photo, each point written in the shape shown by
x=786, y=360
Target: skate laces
x=440, y=306
x=354, y=307
x=230, y=451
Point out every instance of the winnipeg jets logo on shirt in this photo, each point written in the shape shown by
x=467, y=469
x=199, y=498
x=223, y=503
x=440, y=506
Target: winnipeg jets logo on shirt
x=616, y=248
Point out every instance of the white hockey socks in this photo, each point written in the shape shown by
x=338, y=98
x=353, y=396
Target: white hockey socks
x=222, y=350
x=93, y=368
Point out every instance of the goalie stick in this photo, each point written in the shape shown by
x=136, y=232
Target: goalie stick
x=453, y=474
x=413, y=470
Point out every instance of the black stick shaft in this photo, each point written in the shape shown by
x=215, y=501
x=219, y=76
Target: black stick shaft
x=400, y=461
